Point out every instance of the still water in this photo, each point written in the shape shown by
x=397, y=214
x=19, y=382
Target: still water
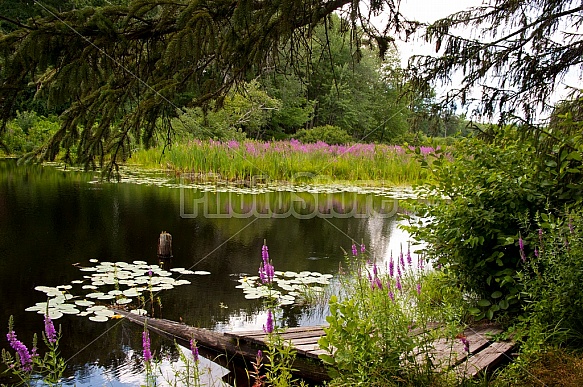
x=52, y=220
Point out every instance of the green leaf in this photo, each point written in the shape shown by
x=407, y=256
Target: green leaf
x=474, y=311
x=327, y=359
x=489, y=314
x=497, y=294
x=484, y=302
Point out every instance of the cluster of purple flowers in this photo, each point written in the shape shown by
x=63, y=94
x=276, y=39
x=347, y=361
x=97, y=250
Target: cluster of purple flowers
x=355, y=249
x=521, y=247
x=23, y=353
x=465, y=342
x=146, y=346
x=401, y=264
x=375, y=281
x=268, y=327
x=256, y=148
x=50, y=332
x=194, y=350
x=266, y=269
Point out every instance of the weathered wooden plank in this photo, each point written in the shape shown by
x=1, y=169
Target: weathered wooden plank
x=446, y=353
x=260, y=332
x=235, y=348
x=307, y=340
x=485, y=360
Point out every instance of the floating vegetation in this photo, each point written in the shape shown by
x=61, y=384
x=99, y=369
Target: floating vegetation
x=288, y=287
x=116, y=284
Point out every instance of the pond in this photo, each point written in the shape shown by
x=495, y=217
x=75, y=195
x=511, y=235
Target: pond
x=55, y=222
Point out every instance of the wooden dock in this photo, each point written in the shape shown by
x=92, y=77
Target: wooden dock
x=242, y=347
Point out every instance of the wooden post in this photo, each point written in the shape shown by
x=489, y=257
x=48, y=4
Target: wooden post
x=165, y=246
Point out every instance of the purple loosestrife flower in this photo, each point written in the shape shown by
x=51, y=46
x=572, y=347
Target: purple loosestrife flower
x=266, y=269
x=268, y=327
x=391, y=295
x=399, y=270
x=150, y=272
x=536, y=254
x=409, y=259
x=259, y=355
x=465, y=342
x=146, y=346
x=354, y=250
x=419, y=288
x=362, y=248
x=399, y=286
x=23, y=354
x=194, y=350
x=521, y=247
x=391, y=267
x=378, y=283
x=50, y=331
x=402, y=259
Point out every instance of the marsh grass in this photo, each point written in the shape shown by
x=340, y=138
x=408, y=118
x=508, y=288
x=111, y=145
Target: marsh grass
x=289, y=161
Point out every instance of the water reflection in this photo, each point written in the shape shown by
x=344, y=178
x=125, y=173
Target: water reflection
x=52, y=220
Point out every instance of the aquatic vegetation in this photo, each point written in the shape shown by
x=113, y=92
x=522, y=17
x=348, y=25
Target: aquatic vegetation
x=286, y=288
x=113, y=284
x=290, y=161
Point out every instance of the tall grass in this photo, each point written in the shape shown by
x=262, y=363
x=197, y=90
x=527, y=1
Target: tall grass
x=289, y=161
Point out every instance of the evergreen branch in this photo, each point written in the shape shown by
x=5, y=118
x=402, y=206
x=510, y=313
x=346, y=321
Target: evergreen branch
x=16, y=23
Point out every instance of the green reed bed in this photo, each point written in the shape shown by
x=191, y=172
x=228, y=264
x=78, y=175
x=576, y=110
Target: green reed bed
x=289, y=161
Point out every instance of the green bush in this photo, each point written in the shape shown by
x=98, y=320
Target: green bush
x=329, y=134
x=482, y=199
x=28, y=131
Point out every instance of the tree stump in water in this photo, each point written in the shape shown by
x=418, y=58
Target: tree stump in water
x=165, y=246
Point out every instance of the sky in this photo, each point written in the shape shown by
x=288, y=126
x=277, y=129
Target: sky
x=428, y=11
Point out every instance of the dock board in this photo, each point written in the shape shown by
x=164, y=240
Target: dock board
x=484, y=355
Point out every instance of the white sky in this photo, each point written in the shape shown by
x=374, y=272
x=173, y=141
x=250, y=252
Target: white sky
x=428, y=11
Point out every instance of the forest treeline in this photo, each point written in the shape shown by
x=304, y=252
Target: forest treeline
x=323, y=88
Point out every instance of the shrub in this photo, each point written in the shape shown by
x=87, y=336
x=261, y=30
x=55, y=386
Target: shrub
x=481, y=201
x=329, y=134
x=29, y=131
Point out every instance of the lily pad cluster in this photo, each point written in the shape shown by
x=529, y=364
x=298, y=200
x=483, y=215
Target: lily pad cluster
x=118, y=284
x=288, y=287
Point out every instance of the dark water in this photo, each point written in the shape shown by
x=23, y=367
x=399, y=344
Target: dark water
x=52, y=219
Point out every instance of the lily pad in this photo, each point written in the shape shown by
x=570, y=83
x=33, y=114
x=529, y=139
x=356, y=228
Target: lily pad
x=84, y=303
x=98, y=318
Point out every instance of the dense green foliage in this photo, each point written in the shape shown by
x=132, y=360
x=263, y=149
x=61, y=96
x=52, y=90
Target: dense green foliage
x=120, y=71
x=28, y=131
x=327, y=133
x=381, y=328
x=483, y=201
x=551, y=276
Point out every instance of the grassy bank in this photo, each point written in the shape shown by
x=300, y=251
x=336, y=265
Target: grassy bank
x=289, y=161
